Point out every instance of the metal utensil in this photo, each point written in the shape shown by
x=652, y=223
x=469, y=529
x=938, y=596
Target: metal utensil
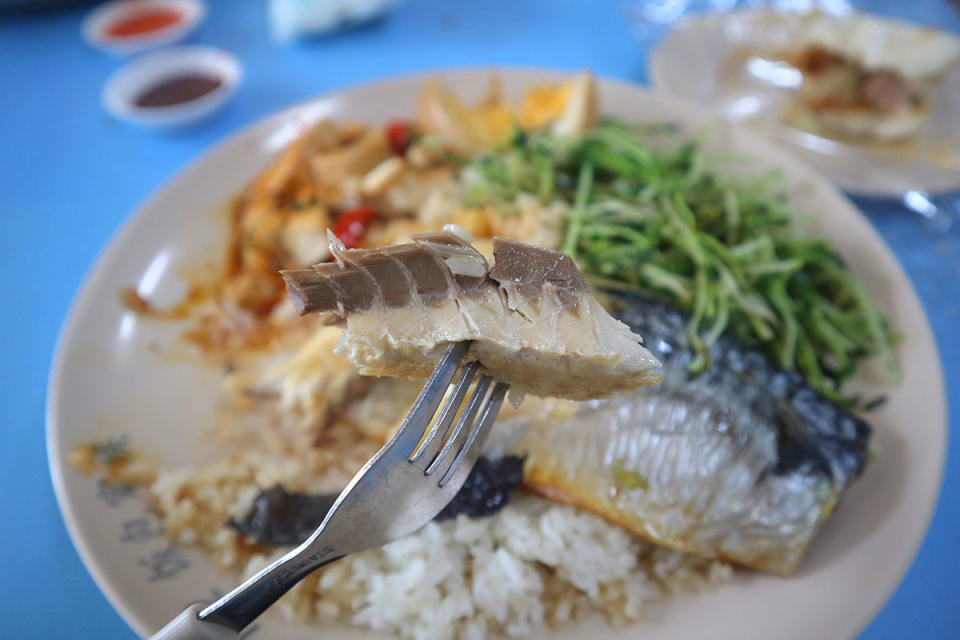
x=404, y=486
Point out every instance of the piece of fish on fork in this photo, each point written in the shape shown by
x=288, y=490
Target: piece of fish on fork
x=402, y=488
x=531, y=317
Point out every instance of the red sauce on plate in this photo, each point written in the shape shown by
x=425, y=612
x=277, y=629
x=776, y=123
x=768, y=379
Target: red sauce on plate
x=178, y=89
x=142, y=21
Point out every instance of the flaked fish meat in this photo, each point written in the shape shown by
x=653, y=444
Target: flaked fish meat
x=744, y=462
x=531, y=318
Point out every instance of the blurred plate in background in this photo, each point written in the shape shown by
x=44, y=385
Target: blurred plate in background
x=706, y=59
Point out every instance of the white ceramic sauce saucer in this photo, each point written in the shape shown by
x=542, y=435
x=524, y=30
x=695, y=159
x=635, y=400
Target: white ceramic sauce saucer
x=97, y=23
x=125, y=87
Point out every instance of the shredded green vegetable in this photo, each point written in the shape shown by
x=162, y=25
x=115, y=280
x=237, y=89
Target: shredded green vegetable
x=664, y=220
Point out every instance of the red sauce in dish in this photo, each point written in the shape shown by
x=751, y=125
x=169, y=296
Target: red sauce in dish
x=143, y=21
x=178, y=89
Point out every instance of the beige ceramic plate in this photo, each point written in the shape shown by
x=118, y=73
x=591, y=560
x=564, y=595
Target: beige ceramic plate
x=108, y=381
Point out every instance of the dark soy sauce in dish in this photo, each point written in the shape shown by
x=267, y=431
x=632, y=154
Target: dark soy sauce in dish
x=178, y=90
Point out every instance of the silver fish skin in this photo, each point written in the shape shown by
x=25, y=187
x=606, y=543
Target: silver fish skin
x=743, y=463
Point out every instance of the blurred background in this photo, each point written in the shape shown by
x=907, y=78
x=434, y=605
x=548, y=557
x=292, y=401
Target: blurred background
x=80, y=148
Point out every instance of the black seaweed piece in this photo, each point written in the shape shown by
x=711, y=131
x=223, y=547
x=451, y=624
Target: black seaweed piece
x=282, y=518
x=487, y=488
x=815, y=436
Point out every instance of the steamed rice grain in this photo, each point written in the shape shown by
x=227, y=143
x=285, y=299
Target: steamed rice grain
x=534, y=563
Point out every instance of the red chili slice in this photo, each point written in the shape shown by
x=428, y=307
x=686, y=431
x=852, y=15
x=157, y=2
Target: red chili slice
x=352, y=225
x=399, y=135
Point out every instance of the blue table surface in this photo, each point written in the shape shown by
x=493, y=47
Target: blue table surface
x=70, y=175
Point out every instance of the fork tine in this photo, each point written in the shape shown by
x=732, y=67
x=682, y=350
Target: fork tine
x=478, y=434
x=465, y=420
x=447, y=413
x=416, y=421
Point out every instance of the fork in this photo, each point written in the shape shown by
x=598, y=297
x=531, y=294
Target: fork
x=399, y=490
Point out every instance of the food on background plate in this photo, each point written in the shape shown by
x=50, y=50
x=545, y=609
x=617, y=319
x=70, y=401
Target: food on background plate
x=531, y=319
x=736, y=459
x=866, y=77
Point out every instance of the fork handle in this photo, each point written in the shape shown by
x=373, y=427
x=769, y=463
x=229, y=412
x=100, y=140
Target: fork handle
x=189, y=626
x=245, y=603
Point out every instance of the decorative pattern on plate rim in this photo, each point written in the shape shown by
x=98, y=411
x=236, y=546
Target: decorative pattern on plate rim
x=161, y=564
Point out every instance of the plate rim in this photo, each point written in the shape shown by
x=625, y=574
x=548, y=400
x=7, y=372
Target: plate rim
x=130, y=224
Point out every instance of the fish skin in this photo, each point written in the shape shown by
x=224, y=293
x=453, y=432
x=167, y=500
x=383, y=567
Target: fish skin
x=743, y=463
x=393, y=276
x=532, y=321
x=524, y=271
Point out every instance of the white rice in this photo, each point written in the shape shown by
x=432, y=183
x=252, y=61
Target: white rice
x=534, y=563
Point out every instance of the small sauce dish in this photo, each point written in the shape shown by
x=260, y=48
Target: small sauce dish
x=127, y=27
x=174, y=87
